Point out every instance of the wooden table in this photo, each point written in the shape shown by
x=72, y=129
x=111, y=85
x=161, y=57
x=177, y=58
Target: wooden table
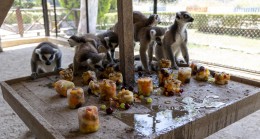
x=48, y=116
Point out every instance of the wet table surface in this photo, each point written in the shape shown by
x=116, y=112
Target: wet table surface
x=202, y=109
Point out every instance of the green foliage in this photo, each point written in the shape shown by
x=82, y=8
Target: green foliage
x=27, y=19
x=69, y=4
x=24, y=3
x=38, y=3
x=113, y=6
x=103, y=8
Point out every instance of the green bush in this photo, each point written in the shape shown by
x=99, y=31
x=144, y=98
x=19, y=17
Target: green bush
x=28, y=18
x=69, y=4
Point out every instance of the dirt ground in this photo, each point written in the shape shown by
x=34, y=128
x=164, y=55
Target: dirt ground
x=15, y=62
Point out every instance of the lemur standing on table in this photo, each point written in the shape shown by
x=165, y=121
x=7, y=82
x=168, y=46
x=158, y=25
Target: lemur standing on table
x=175, y=39
x=109, y=40
x=137, y=17
x=86, y=54
x=151, y=21
x=140, y=21
x=149, y=36
x=46, y=57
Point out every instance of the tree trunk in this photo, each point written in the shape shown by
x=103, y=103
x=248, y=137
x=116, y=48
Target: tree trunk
x=92, y=17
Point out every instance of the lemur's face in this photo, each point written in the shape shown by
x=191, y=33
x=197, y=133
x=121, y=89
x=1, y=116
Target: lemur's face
x=157, y=20
x=71, y=42
x=153, y=20
x=111, y=42
x=113, y=45
x=47, y=58
x=157, y=36
x=183, y=17
x=158, y=40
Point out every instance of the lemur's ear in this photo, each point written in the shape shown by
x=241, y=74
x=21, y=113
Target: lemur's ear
x=107, y=40
x=38, y=51
x=55, y=50
x=178, y=15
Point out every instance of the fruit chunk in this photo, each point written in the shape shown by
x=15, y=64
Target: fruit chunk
x=149, y=100
x=62, y=86
x=109, y=110
x=88, y=119
x=145, y=86
x=75, y=97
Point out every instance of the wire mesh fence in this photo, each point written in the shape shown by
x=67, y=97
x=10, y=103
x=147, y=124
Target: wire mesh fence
x=22, y=23
x=217, y=23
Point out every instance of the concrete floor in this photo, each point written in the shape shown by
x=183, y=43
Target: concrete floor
x=15, y=62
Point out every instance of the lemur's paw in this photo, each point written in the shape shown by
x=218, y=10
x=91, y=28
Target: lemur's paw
x=59, y=69
x=34, y=75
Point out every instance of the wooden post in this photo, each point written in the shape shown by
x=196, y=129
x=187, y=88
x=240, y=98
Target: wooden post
x=19, y=19
x=125, y=33
x=76, y=17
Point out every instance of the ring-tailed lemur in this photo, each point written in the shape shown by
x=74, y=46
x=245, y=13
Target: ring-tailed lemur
x=175, y=39
x=46, y=57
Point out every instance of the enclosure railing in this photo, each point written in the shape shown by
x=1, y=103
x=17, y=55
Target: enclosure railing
x=22, y=22
x=30, y=21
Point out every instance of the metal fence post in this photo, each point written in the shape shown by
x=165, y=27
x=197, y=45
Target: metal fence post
x=45, y=17
x=155, y=7
x=87, y=16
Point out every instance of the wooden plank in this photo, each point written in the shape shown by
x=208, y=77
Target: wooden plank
x=26, y=112
x=125, y=33
x=28, y=78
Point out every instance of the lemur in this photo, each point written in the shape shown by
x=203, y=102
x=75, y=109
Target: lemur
x=76, y=40
x=149, y=36
x=87, y=55
x=137, y=17
x=151, y=21
x=139, y=21
x=175, y=39
x=109, y=40
x=46, y=57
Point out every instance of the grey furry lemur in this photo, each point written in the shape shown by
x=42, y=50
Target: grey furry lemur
x=175, y=39
x=86, y=53
x=109, y=40
x=149, y=37
x=151, y=21
x=46, y=57
x=140, y=21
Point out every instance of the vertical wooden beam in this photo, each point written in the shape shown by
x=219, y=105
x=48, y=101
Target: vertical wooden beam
x=125, y=33
x=45, y=17
x=19, y=19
